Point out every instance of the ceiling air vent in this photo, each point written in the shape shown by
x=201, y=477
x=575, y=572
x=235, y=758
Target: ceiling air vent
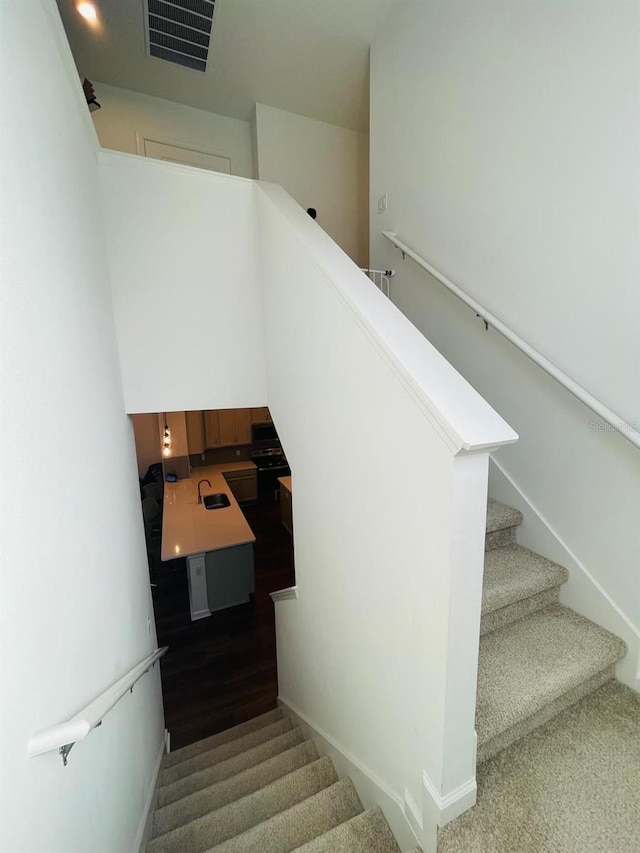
x=180, y=31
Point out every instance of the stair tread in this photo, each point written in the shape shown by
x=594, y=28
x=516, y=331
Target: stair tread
x=500, y=516
x=367, y=832
x=225, y=769
x=225, y=736
x=224, y=751
x=298, y=825
x=512, y=573
x=572, y=785
x=528, y=664
x=215, y=796
x=243, y=814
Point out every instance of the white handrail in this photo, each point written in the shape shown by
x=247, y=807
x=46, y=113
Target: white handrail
x=64, y=735
x=604, y=412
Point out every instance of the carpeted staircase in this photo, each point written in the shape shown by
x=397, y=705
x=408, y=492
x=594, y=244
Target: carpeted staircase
x=262, y=787
x=558, y=748
x=536, y=656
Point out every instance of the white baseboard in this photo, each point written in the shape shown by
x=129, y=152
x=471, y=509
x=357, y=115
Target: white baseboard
x=371, y=790
x=146, y=823
x=582, y=592
x=453, y=804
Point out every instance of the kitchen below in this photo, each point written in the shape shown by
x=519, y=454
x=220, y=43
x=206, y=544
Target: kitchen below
x=221, y=665
x=204, y=466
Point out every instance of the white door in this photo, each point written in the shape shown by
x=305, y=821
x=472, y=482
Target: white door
x=186, y=156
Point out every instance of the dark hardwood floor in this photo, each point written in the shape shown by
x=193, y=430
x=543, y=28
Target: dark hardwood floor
x=221, y=671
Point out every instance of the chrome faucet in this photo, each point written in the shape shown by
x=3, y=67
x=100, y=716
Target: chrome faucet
x=199, y=484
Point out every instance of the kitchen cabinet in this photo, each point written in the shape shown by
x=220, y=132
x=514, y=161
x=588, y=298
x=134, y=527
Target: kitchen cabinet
x=195, y=432
x=223, y=427
x=212, y=428
x=261, y=415
x=234, y=427
x=243, y=426
x=227, y=420
x=243, y=485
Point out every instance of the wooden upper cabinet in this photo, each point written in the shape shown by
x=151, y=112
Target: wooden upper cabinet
x=222, y=427
x=227, y=418
x=243, y=426
x=212, y=428
x=195, y=432
x=260, y=415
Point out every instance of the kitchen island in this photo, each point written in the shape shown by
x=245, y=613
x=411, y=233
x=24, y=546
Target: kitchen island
x=217, y=543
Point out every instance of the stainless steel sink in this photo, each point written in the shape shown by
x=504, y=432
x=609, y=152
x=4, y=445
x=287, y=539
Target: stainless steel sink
x=217, y=501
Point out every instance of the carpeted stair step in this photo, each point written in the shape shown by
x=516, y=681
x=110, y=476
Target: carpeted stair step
x=517, y=582
x=367, y=832
x=222, y=737
x=220, y=794
x=237, y=817
x=299, y=824
x=532, y=669
x=502, y=522
x=224, y=751
x=572, y=785
x=225, y=769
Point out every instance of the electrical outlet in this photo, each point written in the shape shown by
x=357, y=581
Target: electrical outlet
x=383, y=202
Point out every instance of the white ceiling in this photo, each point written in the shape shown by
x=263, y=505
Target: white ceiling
x=310, y=57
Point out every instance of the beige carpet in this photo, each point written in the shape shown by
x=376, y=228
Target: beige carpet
x=260, y=788
x=571, y=786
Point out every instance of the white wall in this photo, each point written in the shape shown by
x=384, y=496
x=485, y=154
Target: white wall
x=321, y=166
x=506, y=137
x=185, y=285
x=126, y=117
x=380, y=650
x=75, y=586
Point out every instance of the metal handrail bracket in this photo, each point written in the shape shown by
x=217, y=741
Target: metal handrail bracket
x=619, y=424
x=63, y=735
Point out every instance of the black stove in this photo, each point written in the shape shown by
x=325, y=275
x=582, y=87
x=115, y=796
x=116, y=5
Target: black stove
x=271, y=464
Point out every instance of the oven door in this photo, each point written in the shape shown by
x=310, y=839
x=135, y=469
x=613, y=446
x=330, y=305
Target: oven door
x=268, y=486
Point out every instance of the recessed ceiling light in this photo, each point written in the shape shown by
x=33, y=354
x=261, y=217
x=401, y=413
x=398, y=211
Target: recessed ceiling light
x=88, y=11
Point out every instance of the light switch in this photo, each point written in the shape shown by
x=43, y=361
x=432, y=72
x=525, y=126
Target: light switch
x=382, y=203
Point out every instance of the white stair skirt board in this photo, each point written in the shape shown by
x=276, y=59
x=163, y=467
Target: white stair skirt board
x=371, y=790
x=284, y=594
x=428, y=835
x=582, y=592
x=198, y=599
x=146, y=822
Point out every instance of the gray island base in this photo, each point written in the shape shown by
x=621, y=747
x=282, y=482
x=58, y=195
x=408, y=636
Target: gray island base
x=220, y=579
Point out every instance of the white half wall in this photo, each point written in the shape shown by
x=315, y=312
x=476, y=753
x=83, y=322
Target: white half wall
x=128, y=117
x=380, y=649
x=321, y=166
x=506, y=136
x=185, y=284
x=75, y=598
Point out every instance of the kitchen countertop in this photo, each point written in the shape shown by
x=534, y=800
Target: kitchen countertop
x=188, y=528
x=286, y=482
